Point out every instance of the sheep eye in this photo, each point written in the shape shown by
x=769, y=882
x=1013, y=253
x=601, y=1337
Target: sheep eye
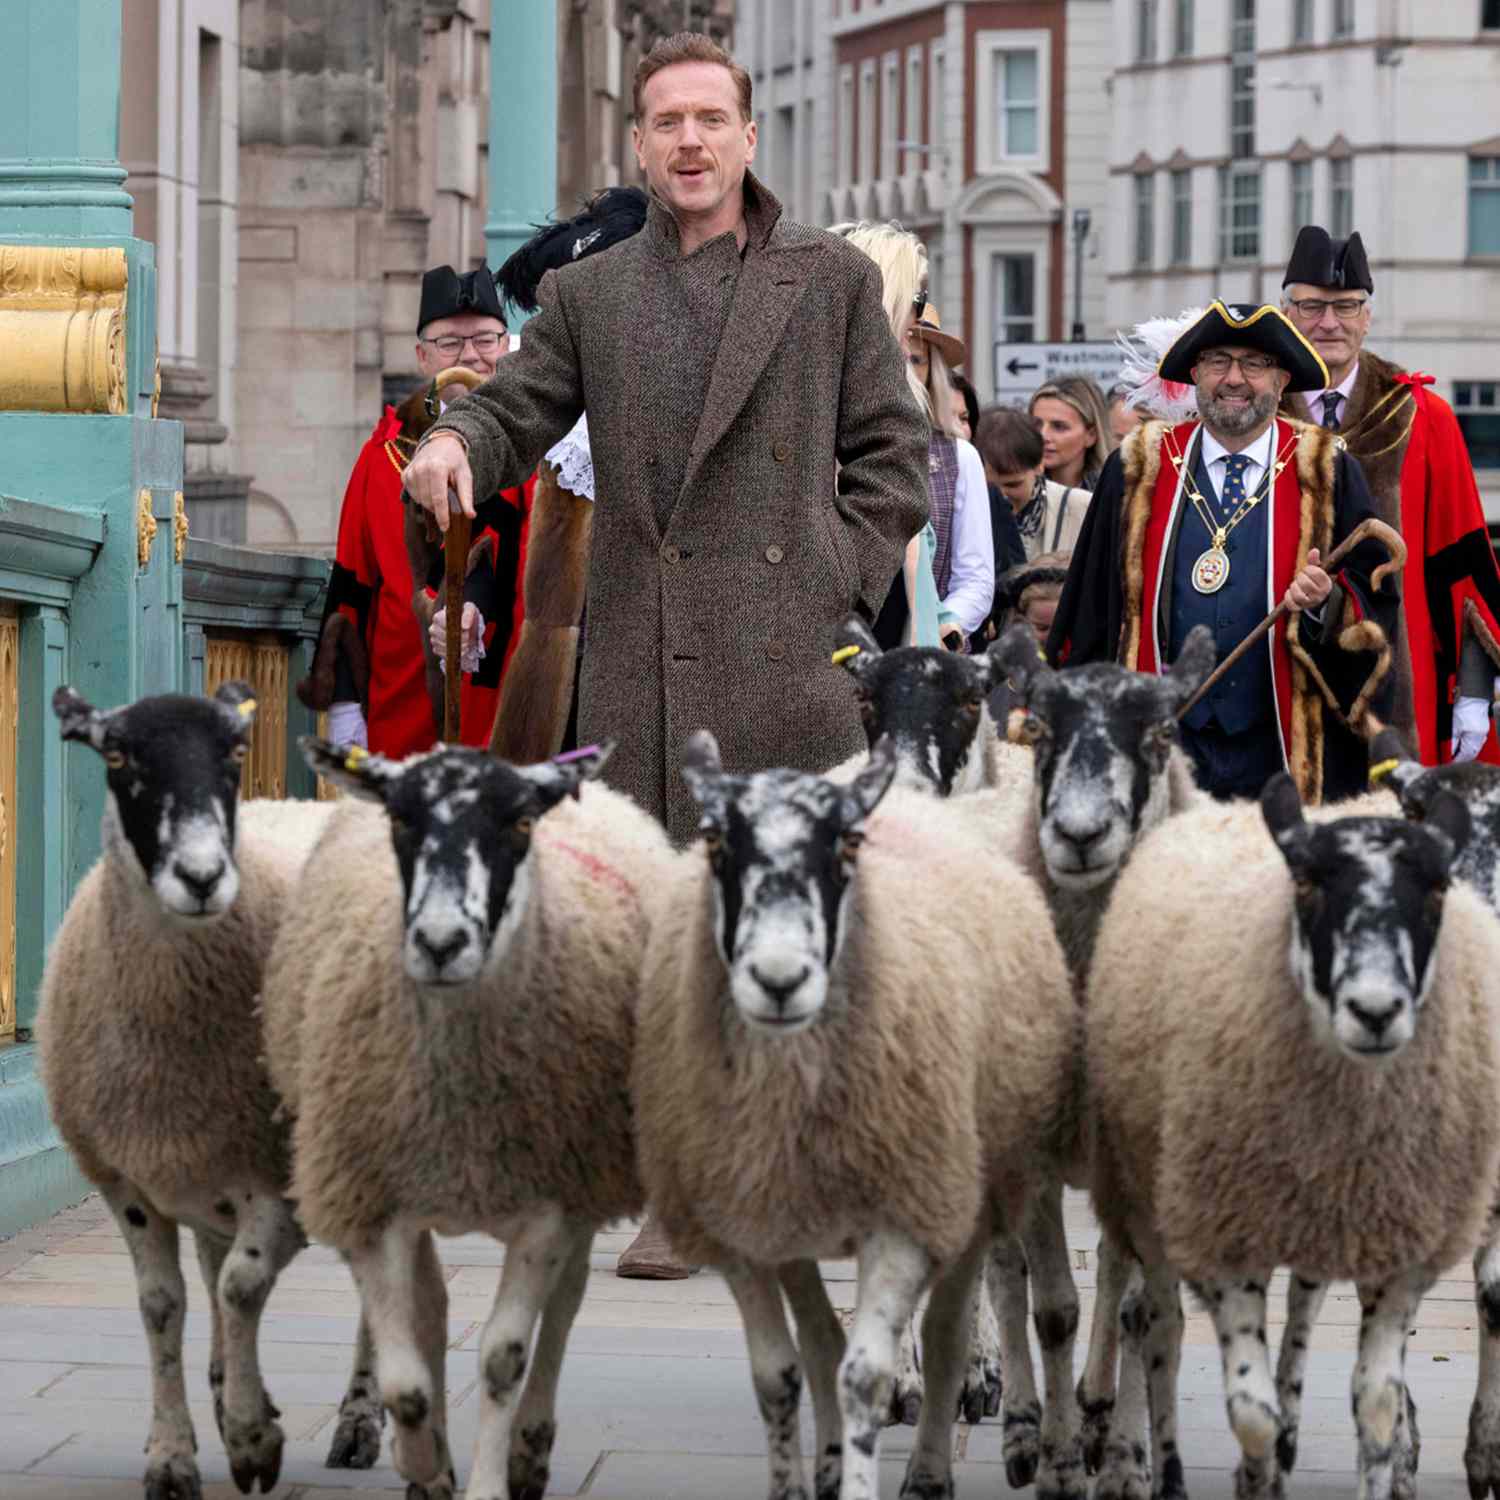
x=866, y=708
x=523, y=826
x=1307, y=892
x=971, y=706
x=1034, y=729
x=114, y=759
x=238, y=754
x=849, y=846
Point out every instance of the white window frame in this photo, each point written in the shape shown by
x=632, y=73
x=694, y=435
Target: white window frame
x=916, y=116
x=1466, y=400
x=1487, y=185
x=1147, y=27
x=937, y=80
x=1341, y=27
x=1340, y=167
x=988, y=47
x=1244, y=171
x=890, y=113
x=1184, y=24
x=1294, y=192
x=846, y=125
x=1180, y=251
x=866, y=166
x=1143, y=221
x=1304, y=22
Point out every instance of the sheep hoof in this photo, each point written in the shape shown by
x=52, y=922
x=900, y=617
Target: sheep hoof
x=1124, y=1473
x=1256, y=1480
x=1286, y=1449
x=173, y=1479
x=1020, y=1470
x=927, y=1487
x=1023, y=1444
x=1095, y=1430
x=439, y=1489
x=828, y=1479
x=255, y=1455
x=1061, y=1477
x=1482, y=1451
x=356, y=1439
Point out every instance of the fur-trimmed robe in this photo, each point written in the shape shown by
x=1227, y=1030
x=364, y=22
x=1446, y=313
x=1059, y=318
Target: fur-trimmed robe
x=1409, y=445
x=1325, y=680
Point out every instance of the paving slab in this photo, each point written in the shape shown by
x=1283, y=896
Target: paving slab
x=655, y=1400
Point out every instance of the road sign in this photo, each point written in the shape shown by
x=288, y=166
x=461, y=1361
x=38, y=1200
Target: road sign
x=1020, y=368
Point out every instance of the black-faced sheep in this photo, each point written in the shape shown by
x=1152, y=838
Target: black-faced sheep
x=459, y=1061
x=151, y=1046
x=838, y=1049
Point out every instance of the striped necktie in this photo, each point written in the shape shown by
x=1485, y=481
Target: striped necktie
x=1331, y=401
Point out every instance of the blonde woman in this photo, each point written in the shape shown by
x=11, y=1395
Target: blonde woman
x=1073, y=420
x=961, y=541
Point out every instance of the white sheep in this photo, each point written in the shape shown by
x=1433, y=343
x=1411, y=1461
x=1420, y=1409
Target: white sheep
x=458, y=1061
x=1294, y=1061
x=839, y=1046
x=150, y=1050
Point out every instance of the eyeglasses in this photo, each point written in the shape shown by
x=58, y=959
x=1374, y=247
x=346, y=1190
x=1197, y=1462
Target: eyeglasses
x=450, y=345
x=1345, y=309
x=1253, y=365
x=919, y=303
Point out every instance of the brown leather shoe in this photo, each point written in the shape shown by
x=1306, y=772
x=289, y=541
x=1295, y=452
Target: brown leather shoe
x=650, y=1257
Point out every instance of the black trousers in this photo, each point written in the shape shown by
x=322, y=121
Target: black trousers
x=1233, y=765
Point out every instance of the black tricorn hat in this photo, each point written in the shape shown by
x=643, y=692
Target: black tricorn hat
x=446, y=293
x=1320, y=260
x=607, y=218
x=1249, y=327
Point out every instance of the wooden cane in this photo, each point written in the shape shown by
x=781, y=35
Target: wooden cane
x=1386, y=535
x=455, y=559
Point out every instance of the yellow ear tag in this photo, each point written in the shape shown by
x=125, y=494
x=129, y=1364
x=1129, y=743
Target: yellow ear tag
x=1381, y=769
x=843, y=654
x=357, y=754
x=245, y=709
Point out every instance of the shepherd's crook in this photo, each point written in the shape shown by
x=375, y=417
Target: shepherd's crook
x=1386, y=535
x=455, y=559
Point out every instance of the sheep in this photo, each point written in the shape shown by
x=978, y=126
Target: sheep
x=838, y=1047
x=465, y=1067
x=159, y=1092
x=1327, y=971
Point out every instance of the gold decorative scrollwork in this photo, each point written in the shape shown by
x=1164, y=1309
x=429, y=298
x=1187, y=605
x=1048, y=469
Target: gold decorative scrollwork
x=145, y=528
x=179, y=526
x=62, y=328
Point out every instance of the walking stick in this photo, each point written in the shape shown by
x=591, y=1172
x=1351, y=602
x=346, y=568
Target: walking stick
x=455, y=558
x=1386, y=535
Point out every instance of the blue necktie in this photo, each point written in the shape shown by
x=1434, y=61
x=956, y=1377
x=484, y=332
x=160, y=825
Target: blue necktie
x=1235, y=465
x=1331, y=401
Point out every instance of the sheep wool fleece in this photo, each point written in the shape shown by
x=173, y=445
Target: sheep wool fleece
x=150, y=1043
x=940, y=1066
x=461, y=1107
x=1227, y=1131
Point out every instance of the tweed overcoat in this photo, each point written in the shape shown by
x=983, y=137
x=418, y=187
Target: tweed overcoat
x=750, y=490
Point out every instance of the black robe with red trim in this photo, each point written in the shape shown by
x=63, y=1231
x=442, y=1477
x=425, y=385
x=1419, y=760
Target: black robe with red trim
x=1325, y=679
x=1411, y=449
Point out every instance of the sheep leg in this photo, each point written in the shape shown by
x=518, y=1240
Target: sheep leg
x=356, y=1438
x=1161, y=1351
x=1482, y=1451
x=432, y=1336
x=1060, y=1475
x=535, y=1426
x=212, y=1249
x=980, y=1395
x=1125, y=1466
x=1021, y=1410
x=537, y=1257
x=947, y=1334
x=1239, y=1313
x=776, y=1373
x=1304, y=1301
x=1381, y=1411
x=266, y=1237
x=893, y=1270
x=821, y=1338
x=1096, y=1387
x=151, y=1238
x=392, y=1287
x=909, y=1388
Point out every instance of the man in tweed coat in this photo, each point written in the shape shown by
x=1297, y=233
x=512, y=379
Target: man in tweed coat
x=759, y=461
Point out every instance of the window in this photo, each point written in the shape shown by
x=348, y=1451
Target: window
x=1145, y=31
x=866, y=167
x=1239, y=213
x=1242, y=81
x=1489, y=15
x=916, y=116
x=890, y=113
x=1340, y=197
x=1182, y=218
x=1343, y=19
x=1302, y=194
x=1145, y=220
x=935, y=97
x=1302, y=23
x=1476, y=404
x=1182, y=32
x=1014, y=303
x=1017, y=104
x=1484, y=205
x=846, y=126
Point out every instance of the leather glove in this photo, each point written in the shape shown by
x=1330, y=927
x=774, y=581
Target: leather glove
x=1471, y=727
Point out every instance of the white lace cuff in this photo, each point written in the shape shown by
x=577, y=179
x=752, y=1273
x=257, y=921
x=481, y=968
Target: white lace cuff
x=574, y=462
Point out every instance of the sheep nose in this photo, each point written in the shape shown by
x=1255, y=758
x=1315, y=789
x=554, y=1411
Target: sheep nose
x=1375, y=1019
x=781, y=993
x=202, y=886
x=441, y=951
x=1082, y=839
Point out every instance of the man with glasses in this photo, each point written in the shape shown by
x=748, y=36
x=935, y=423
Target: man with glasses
x=1408, y=442
x=385, y=700
x=1216, y=521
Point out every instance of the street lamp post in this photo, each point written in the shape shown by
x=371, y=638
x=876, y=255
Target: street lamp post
x=1081, y=222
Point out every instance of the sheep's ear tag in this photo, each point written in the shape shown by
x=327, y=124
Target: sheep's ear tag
x=1381, y=769
x=356, y=757
x=843, y=654
x=245, y=708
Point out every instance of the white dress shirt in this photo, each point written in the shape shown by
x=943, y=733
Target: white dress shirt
x=1345, y=388
x=971, y=574
x=1215, y=454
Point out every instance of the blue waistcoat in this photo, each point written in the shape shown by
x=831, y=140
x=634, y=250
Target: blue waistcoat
x=1244, y=699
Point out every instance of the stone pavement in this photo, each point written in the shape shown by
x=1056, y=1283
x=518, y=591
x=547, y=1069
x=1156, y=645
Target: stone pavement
x=655, y=1401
